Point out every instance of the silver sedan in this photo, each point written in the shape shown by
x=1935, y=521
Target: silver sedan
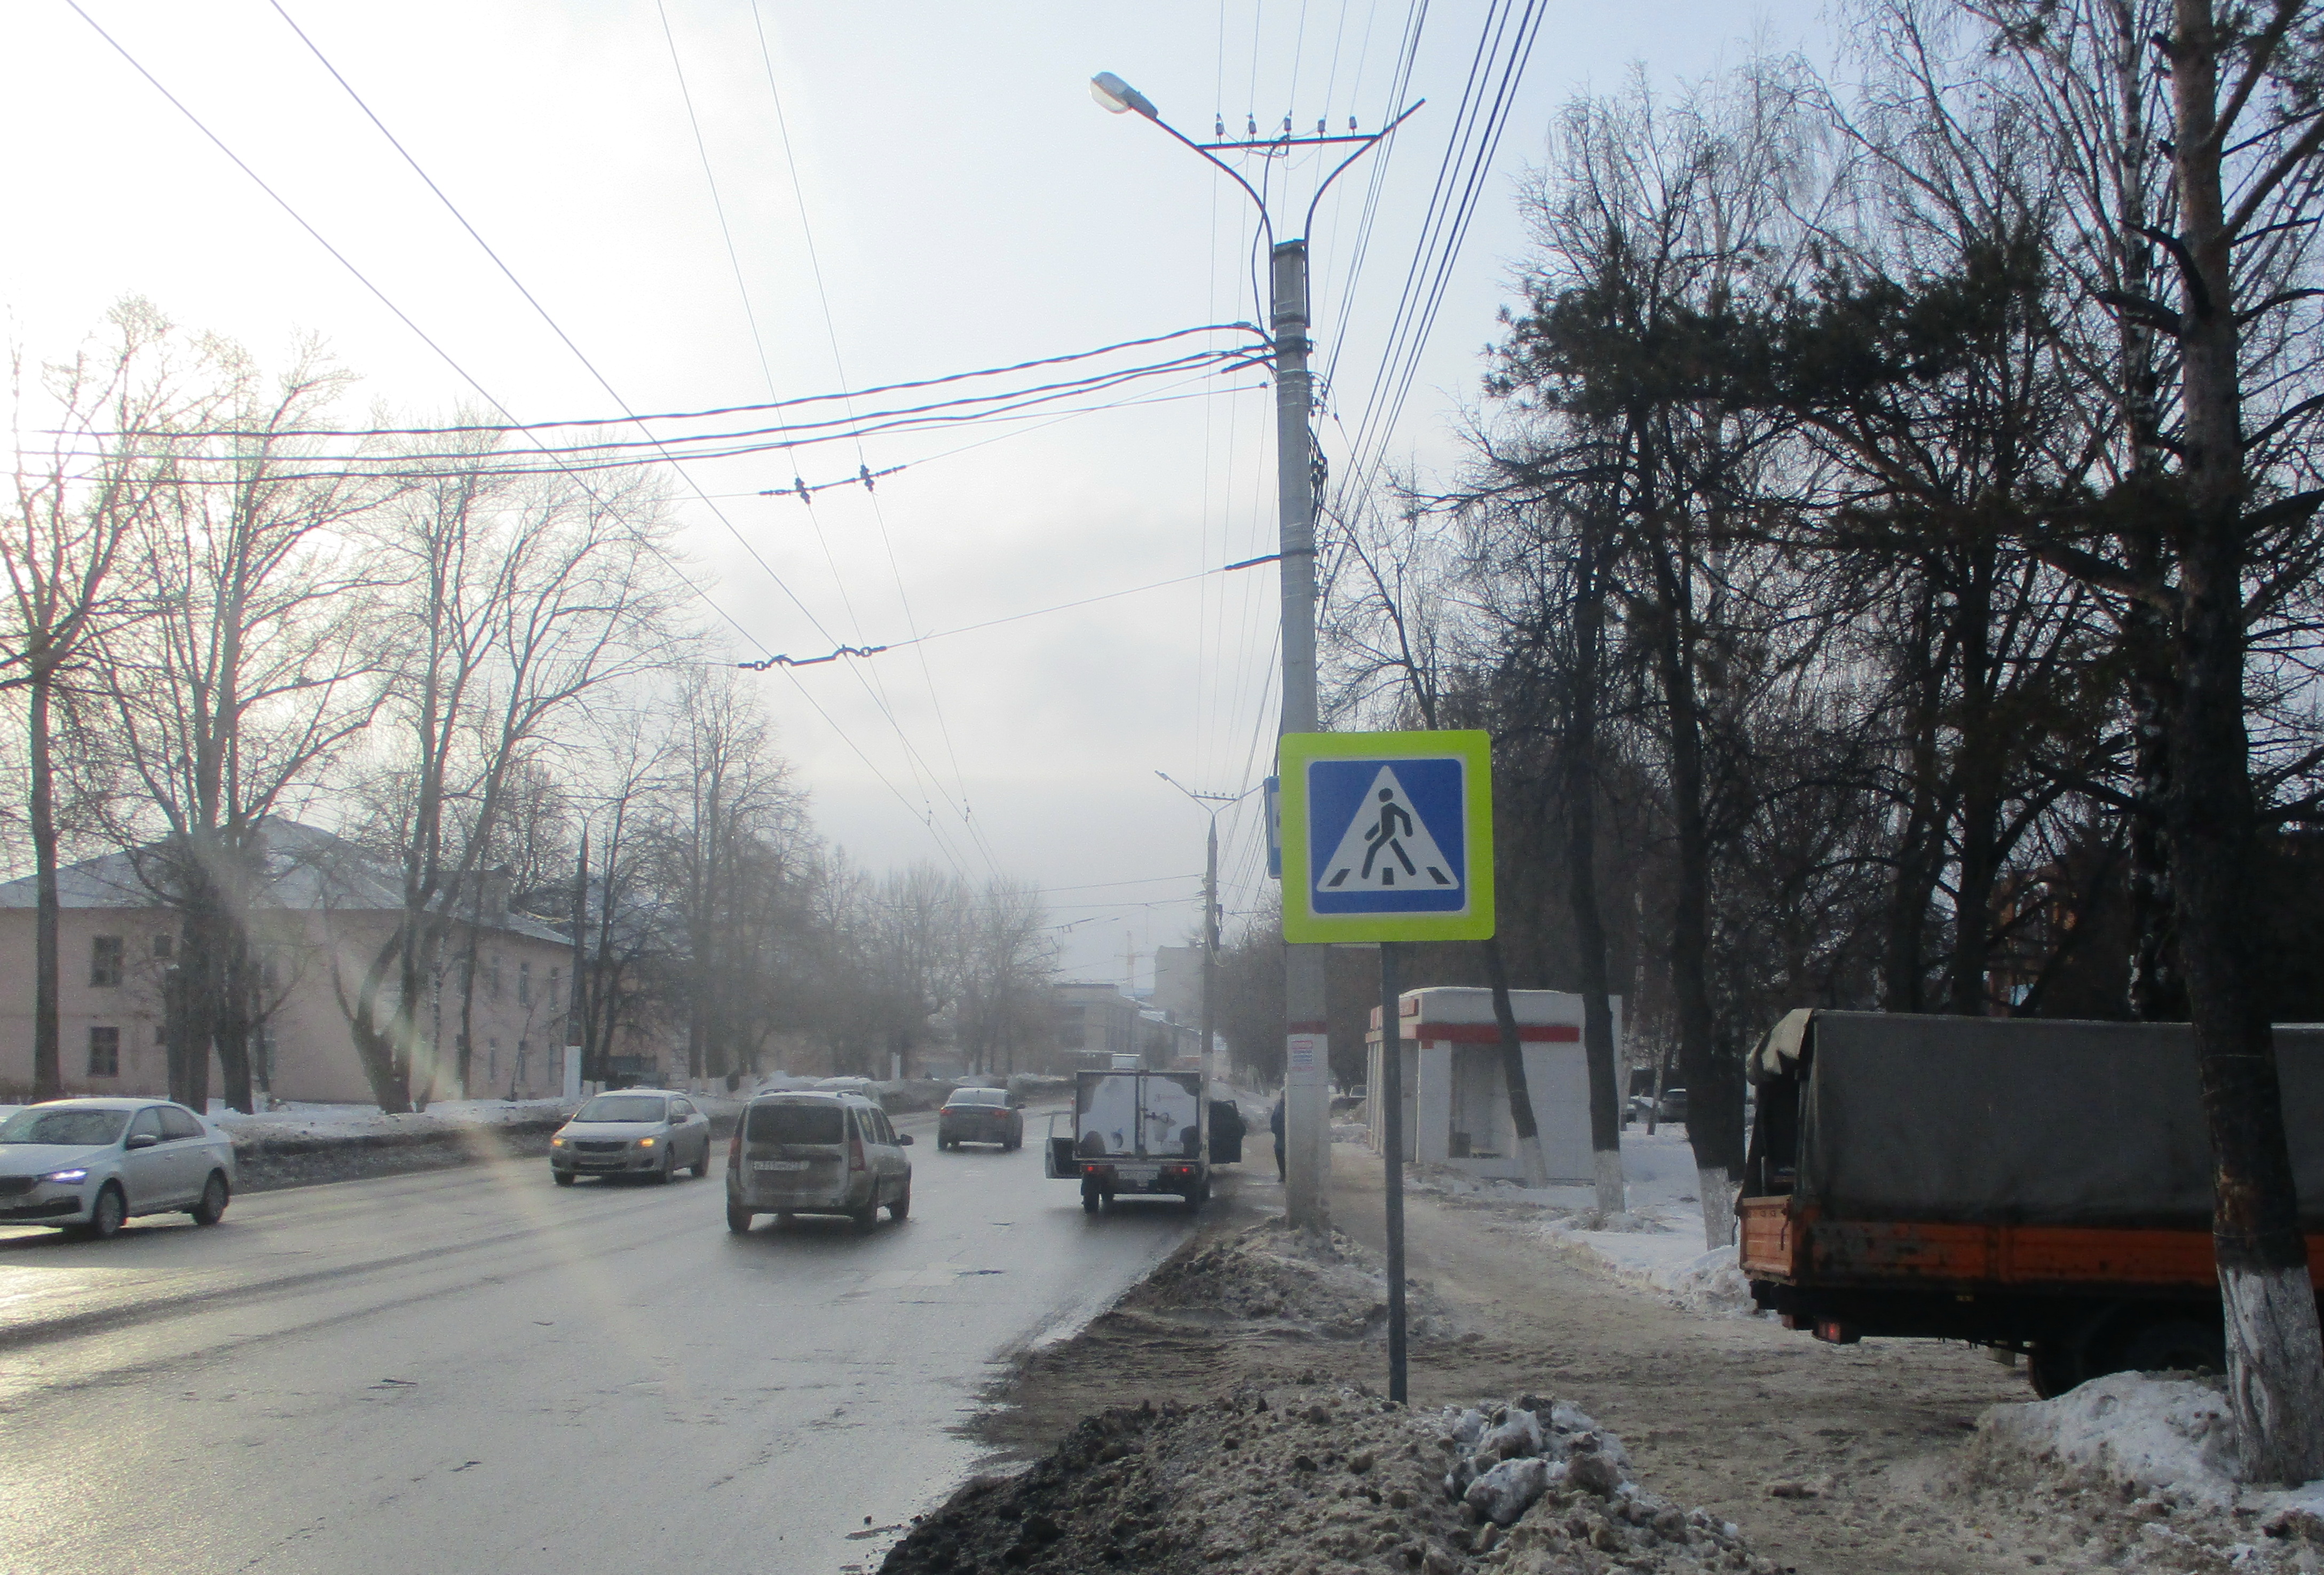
x=89, y=1164
x=646, y=1132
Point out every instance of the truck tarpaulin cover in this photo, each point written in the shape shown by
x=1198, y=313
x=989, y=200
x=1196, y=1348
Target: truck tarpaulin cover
x=2019, y=1121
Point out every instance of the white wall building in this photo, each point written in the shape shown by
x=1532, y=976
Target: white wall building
x=1456, y=1105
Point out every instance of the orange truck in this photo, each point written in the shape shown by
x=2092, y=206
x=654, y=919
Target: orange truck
x=2036, y=1186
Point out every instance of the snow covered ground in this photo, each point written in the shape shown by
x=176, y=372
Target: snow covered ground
x=335, y=1120
x=1657, y=1243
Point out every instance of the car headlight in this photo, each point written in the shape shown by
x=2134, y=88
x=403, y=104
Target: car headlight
x=66, y=1178
x=557, y=1142
x=645, y=1143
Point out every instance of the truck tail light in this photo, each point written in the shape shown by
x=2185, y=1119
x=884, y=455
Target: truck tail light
x=1832, y=1331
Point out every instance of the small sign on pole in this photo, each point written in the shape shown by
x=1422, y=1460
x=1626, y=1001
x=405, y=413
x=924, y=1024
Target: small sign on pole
x=1387, y=836
x=1275, y=828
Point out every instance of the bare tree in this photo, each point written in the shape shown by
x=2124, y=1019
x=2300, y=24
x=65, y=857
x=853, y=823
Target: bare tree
x=77, y=499
x=2247, y=135
x=733, y=854
x=523, y=597
x=1007, y=957
x=255, y=667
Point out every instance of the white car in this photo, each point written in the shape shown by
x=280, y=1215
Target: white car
x=650, y=1133
x=89, y=1164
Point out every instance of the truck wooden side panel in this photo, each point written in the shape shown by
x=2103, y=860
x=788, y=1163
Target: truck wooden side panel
x=1803, y=1250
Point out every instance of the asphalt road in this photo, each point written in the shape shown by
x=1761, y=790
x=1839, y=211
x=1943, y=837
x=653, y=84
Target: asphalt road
x=474, y=1370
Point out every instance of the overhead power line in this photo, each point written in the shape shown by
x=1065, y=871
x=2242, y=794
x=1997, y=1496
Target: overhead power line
x=874, y=390
x=781, y=660
x=363, y=278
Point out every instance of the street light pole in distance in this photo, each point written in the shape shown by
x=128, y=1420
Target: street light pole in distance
x=1212, y=803
x=1306, y=1058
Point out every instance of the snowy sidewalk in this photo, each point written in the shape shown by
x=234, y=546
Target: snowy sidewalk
x=1656, y=1244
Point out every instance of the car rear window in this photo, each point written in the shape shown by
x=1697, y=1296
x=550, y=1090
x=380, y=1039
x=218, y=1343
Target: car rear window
x=795, y=1124
x=977, y=1096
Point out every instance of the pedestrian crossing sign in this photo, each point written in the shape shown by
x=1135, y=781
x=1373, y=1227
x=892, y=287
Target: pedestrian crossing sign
x=1387, y=836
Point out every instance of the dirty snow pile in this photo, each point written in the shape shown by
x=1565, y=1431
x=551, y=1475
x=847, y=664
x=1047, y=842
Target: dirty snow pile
x=1269, y=1273
x=2140, y=1470
x=1311, y=1480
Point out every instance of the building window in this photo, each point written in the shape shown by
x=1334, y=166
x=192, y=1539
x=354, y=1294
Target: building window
x=524, y=984
x=492, y=1058
x=105, y=962
x=492, y=977
x=523, y=1049
x=165, y=945
x=105, y=1053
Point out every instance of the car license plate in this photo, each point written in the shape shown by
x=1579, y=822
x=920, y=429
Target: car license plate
x=779, y=1165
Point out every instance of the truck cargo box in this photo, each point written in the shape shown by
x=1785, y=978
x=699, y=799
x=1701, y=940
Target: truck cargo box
x=1870, y=1116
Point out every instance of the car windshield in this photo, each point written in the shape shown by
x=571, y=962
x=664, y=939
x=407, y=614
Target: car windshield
x=796, y=1124
x=977, y=1096
x=64, y=1129
x=622, y=1108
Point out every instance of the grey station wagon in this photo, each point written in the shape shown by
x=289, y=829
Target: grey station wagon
x=810, y=1152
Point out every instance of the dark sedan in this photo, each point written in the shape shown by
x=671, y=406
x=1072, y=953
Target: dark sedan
x=980, y=1115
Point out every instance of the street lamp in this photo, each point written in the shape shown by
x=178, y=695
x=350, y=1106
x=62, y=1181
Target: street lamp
x=1306, y=1063
x=1119, y=97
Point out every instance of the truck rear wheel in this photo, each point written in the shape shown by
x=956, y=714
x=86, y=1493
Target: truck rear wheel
x=2174, y=1341
x=2054, y=1366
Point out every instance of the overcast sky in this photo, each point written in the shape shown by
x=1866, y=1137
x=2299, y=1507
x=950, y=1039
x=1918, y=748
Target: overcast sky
x=948, y=197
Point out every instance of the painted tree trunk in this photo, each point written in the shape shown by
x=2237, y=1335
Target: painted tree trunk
x=1714, y=1116
x=2275, y=1366
x=1581, y=795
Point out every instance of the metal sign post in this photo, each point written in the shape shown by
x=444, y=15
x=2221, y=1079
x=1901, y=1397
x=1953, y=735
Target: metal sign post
x=1388, y=837
x=1392, y=1089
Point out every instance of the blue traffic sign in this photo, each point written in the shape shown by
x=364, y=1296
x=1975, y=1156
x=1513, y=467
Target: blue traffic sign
x=1387, y=836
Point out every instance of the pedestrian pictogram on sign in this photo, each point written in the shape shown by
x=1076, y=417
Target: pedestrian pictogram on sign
x=1387, y=836
x=1384, y=846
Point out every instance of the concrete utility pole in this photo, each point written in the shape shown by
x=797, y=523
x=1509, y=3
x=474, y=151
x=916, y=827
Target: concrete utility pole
x=1211, y=804
x=1306, y=1058
x=1306, y=1045
x=1209, y=972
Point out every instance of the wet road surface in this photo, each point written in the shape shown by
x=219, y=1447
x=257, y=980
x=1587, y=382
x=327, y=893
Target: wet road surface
x=474, y=1370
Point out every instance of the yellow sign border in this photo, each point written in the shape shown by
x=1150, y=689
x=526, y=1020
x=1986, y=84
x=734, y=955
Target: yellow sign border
x=1474, y=749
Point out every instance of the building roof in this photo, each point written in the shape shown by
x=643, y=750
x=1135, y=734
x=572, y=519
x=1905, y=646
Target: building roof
x=307, y=869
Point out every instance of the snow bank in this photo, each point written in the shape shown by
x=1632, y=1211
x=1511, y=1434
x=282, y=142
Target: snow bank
x=2147, y=1430
x=2137, y=1471
x=1269, y=1273
x=310, y=1121
x=1308, y=1479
